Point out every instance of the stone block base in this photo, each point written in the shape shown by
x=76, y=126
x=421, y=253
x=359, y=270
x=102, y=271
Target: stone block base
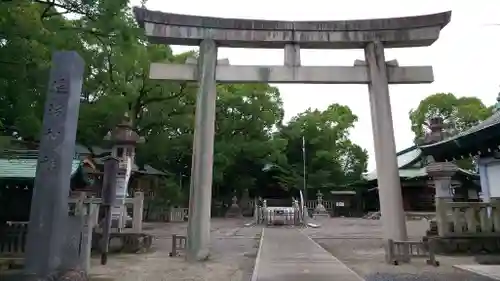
x=476, y=245
x=124, y=242
x=321, y=216
x=234, y=212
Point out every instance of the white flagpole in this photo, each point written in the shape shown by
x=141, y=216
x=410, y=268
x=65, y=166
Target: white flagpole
x=304, y=166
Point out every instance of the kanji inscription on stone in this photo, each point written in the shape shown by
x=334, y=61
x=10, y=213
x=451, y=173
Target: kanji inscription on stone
x=73, y=243
x=49, y=206
x=55, y=109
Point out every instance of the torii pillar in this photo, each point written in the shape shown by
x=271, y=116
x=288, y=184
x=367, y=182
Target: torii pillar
x=372, y=35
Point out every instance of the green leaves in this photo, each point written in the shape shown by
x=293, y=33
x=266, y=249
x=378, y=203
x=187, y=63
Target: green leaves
x=26, y=44
x=458, y=114
x=331, y=159
x=249, y=118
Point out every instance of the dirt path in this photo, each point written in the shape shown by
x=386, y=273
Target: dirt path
x=358, y=243
x=232, y=258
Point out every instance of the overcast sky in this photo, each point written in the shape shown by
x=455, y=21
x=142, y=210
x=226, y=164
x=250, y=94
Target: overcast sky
x=465, y=58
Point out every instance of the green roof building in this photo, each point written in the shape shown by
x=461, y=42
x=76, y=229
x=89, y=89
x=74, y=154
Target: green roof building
x=418, y=195
x=18, y=172
x=17, y=175
x=22, y=166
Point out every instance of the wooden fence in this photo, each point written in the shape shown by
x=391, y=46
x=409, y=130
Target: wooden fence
x=311, y=205
x=180, y=214
x=13, y=234
x=168, y=215
x=13, y=239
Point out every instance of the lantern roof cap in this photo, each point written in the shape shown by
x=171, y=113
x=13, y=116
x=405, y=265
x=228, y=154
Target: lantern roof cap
x=124, y=133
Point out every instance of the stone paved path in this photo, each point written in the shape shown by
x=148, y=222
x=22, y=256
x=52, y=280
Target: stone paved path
x=290, y=255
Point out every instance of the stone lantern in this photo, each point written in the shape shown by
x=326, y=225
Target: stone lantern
x=320, y=210
x=123, y=141
x=437, y=131
x=440, y=174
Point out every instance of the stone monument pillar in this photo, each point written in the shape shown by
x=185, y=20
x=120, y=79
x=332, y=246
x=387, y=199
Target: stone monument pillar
x=246, y=208
x=123, y=140
x=48, y=234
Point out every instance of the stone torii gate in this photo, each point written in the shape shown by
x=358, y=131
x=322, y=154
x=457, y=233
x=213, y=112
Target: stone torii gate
x=372, y=35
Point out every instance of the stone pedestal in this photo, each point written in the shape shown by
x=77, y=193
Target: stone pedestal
x=320, y=209
x=234, y=210
x=321, y=216
x=441, y=174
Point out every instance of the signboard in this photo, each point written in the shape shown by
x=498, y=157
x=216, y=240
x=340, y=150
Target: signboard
x=121, y=188
x=122, y=181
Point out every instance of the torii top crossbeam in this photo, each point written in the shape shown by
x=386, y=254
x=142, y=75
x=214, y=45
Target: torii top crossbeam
x=176, y=29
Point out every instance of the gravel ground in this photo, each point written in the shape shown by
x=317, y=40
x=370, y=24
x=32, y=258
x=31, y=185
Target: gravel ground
x=234, y=249
x=358, y=244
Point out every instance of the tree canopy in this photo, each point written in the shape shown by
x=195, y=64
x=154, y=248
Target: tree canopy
x=331, y=159
x=250, y=132
x=458, y=114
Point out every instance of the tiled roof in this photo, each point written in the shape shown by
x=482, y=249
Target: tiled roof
x=147, y=169
x=99, y=152
x=25, y=167
x=493, y=120
x=405, y=158
x=484, y=138
x=406, y=163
